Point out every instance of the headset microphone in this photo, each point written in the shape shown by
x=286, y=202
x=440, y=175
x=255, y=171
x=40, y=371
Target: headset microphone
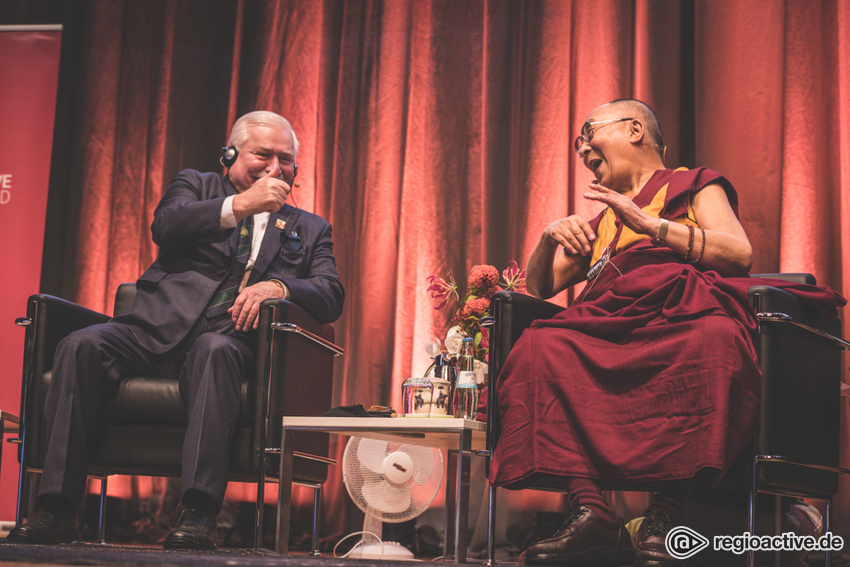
x=228, y=157
x=293, y=185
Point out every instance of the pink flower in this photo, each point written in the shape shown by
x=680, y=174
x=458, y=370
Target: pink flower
x=483, y=277
x=514, y=278
x=485, y=340
x=441, y=290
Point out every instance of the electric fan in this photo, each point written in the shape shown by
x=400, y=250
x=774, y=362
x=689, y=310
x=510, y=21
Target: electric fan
x=391, y=482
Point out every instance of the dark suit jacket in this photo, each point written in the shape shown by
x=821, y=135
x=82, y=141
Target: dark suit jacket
x=195, y=256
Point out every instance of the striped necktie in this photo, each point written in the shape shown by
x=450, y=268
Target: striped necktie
x=229, y=288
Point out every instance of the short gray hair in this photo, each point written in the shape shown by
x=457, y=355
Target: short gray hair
x=239, y=132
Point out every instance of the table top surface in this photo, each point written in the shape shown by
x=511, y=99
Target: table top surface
x=438, y=432
x=9, y=421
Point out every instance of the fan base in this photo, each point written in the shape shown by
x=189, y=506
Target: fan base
x=389, y=550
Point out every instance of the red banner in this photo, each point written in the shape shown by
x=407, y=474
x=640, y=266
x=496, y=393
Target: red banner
x=29, y=75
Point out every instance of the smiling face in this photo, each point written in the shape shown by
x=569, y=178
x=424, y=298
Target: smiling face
x=620, y=142
x=607, y=131
x=266, y=149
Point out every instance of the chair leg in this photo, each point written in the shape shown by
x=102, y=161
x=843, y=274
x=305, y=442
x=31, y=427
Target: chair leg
x=827, y=528
x=317, y=508
x=491, y=525
x=101, y=528
x=751, y=524
x=259, y=511
x=23, y=485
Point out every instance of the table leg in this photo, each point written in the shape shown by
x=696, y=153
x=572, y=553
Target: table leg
x=259, y=513
x=451, y=508
x=491, y=525
x=457, y=499
x=284, y=493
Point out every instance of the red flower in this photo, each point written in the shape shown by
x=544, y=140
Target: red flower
x=475, y=308
x=483, y=277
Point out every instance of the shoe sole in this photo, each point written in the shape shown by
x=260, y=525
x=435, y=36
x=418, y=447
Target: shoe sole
x=21, y=536
x=187, y=547
x=182, y=545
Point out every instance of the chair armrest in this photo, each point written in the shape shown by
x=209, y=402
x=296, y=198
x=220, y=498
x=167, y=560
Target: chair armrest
x=287, y=327
x=783, y=318
x=295, y=370
x=49, y=319
x=800, y=278
x=777, y=306
x=511, y=314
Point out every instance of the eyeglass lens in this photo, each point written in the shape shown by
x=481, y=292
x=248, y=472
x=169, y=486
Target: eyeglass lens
x=585, y=137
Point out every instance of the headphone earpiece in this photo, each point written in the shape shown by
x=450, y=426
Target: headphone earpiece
x=295, y=171
x=228, y=157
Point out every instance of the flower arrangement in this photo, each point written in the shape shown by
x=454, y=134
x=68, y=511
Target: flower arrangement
x=483, y=281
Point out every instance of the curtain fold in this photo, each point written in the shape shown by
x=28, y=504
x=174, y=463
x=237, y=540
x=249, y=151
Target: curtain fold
x=436, y=134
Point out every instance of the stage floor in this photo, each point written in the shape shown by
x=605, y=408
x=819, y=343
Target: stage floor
x=141, y=556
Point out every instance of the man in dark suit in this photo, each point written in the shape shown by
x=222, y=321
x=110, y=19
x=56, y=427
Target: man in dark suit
x=226, y=243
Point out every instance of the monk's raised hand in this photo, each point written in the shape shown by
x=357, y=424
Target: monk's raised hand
x=624, y=207
x=573, y=233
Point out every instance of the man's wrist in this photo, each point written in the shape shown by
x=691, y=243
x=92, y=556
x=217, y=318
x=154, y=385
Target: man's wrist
x=227, y=219
x=283, y=288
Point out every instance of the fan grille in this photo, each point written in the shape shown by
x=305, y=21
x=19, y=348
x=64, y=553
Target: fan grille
x=363, y=466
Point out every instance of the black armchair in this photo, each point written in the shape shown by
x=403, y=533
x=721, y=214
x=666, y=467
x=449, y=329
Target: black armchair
x=795, y=452
x=140, y=430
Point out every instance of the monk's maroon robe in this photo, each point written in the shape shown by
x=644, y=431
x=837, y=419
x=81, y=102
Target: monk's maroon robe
x=652, y=375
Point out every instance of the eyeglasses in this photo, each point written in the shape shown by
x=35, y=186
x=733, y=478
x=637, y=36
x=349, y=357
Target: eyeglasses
x=587, y=132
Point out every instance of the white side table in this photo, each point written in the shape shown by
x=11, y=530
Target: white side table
x=462, y=438
x=9, y=423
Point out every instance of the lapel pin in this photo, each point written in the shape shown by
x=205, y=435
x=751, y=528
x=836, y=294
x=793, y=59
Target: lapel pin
x=280, y=223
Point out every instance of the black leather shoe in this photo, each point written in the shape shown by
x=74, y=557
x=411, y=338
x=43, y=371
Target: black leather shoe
x=194, y=530
x=585, y=539
x=47, y=527
x=650, y=550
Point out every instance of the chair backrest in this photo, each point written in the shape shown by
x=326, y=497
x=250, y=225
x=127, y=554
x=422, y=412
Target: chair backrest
x=125, y=295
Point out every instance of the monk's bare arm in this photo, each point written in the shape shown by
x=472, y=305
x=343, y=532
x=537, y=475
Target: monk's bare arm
x=727, y=248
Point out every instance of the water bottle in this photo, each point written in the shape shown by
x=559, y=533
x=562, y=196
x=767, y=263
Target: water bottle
x=465, y=399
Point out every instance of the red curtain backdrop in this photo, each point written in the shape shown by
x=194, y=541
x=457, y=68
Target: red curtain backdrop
x=437, y=134
x=29, y=64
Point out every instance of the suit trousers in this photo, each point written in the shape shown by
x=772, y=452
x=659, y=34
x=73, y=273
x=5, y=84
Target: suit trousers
x=90, y=363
